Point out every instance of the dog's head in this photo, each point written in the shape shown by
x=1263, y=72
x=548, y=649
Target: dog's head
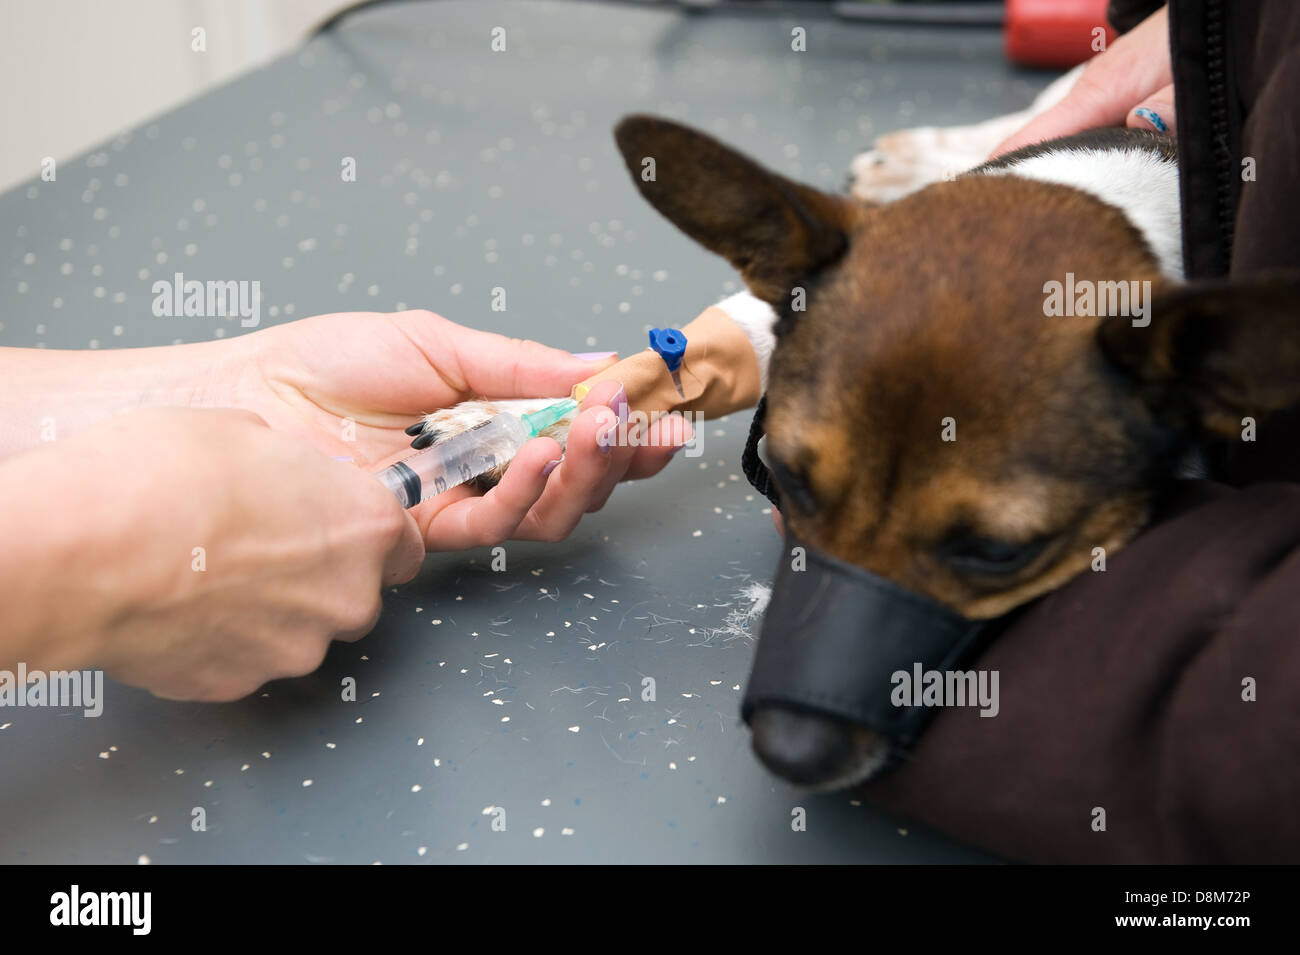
x=927, y=419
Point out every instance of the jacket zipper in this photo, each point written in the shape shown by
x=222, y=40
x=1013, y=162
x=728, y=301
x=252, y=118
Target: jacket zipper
x=1216, y=74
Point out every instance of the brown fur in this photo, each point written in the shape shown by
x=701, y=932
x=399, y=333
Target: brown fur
x=904, y=335
x=932, y=307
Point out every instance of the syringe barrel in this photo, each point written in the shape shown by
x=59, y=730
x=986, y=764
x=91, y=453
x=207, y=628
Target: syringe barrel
x=456, y=460
x=403, y=482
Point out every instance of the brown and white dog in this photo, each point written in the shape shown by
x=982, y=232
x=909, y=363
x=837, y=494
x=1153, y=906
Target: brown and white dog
x=897, y=164
x=959, y=408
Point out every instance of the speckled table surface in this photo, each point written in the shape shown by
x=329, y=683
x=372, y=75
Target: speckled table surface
x=500, y=714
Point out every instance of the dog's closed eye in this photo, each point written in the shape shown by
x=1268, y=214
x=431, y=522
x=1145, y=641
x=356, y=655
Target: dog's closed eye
x=794, y=486
x=980, y=556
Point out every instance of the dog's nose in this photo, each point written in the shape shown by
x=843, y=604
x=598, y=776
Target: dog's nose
x=802, y=747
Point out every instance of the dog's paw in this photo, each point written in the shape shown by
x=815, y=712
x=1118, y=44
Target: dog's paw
x=890, y=170
x=449, y=422
x=910, y=159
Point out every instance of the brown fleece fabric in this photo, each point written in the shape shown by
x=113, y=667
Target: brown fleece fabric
x=1124, y=690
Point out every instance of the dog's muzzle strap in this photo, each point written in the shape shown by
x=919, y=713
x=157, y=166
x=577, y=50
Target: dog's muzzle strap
x=756, y=471
x=834, y=637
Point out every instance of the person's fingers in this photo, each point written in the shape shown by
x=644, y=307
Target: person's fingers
x=587, y=474
x=622, y=443
x=1155, y=112
x=512, y=368
x=475, y=521
x=1135, y=67
x=484, y=363
x=405, y=558
x=778, y=522
x=607, y=394
x=427, y=511
x=665, y=438
x=1095, y=100
x=526, y=505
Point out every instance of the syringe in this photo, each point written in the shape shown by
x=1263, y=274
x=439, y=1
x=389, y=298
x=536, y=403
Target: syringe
x=467, y=455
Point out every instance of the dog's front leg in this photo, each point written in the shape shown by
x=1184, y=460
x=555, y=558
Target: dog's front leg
x=910, y=159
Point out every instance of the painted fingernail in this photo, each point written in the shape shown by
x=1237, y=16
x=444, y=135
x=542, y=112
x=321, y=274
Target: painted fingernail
x=618, y=404
x=342, y=457
x=605, y=439
x=594, y=355
x=1152, y=117
x=550, y=466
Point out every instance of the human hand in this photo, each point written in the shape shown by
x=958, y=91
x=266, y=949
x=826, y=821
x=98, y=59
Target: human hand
x=351, y=383
x=294, y=550
x=1121, y=86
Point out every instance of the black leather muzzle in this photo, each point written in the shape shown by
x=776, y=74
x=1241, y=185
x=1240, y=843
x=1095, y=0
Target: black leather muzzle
x=835, y=634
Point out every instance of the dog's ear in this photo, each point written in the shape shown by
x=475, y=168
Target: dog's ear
x=1228, y=350
x=776, y=232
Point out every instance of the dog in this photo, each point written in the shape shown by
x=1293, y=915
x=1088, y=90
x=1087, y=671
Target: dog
x=897, y=164
x=948, y=407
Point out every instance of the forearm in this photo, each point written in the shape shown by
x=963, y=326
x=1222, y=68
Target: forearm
x=49, y=394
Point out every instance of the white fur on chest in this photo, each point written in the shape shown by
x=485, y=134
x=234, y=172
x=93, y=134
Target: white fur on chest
x=1138, y=182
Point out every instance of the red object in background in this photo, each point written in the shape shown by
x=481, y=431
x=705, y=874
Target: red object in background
x=1054, y=33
